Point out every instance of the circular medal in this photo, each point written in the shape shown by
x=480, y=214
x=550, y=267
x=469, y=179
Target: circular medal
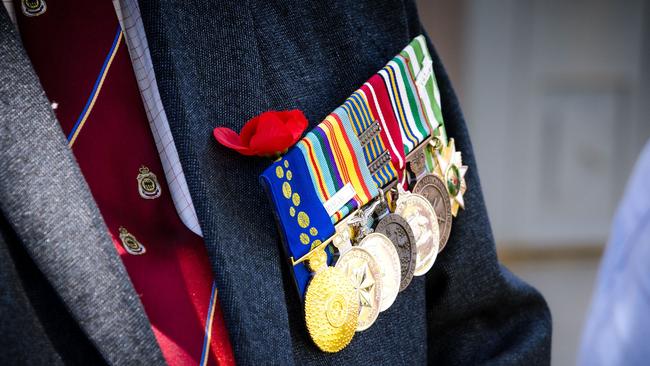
x=331, y=309
x=389, y=264
x=401, y=235
x=433, y=188
x=419, y=213
x=363, y=271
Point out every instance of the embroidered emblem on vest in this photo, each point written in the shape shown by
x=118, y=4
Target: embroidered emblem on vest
x=148, y=184
x=130, y=243
x=33, y=8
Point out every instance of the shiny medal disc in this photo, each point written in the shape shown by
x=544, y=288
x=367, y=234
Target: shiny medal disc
x=434, y=190
x=384, y=252
x=363, y=271
x=420, y=215
x=401, y=235
x=331, y=309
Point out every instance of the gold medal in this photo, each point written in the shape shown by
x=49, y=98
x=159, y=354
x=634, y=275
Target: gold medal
x=317, y=260
x=364, y=273
x=451, y=170
x=331, y=309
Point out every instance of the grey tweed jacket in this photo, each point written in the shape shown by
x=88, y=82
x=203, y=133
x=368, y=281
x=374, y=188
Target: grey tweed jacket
x=65, y=297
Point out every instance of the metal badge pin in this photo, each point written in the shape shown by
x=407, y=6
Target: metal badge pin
x=130, y=243
x=148, y=185
x=33, y=8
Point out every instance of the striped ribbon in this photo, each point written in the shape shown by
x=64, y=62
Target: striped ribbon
x=414, y=125
x=418, y=57
x=207, y=338
x=362, y=118
x=380, y=104
x=97, y=87
x=333, y=151
x=334, y=158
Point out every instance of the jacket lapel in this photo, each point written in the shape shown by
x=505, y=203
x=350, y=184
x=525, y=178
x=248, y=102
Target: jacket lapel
x=48, y=204
x=235, y=219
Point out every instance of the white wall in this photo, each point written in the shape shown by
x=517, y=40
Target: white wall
x=552, y=96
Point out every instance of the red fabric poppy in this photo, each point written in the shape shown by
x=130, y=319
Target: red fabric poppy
x=269, y=134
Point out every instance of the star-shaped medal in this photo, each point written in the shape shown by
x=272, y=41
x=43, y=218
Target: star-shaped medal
x=364, y=283
x=451, y=170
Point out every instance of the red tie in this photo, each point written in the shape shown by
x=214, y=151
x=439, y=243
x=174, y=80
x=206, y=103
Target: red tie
x=80, y=56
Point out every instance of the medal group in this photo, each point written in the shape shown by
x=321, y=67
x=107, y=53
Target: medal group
x=364, y=202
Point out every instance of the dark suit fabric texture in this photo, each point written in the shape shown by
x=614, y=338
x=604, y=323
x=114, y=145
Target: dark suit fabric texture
x=65, y=297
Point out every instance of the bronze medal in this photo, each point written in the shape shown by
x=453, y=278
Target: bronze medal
x=401, y=235
x=434, y=190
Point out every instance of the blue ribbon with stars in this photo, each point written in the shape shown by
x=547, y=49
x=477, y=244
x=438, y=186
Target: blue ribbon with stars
x=300, y=214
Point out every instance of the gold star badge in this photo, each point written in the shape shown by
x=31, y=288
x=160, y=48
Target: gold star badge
x=451, y=170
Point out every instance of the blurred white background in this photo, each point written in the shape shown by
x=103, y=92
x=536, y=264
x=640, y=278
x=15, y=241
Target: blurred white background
x=556, y=96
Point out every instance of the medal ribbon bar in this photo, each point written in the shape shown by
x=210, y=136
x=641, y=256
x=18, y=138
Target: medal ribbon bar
x=336, y=172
